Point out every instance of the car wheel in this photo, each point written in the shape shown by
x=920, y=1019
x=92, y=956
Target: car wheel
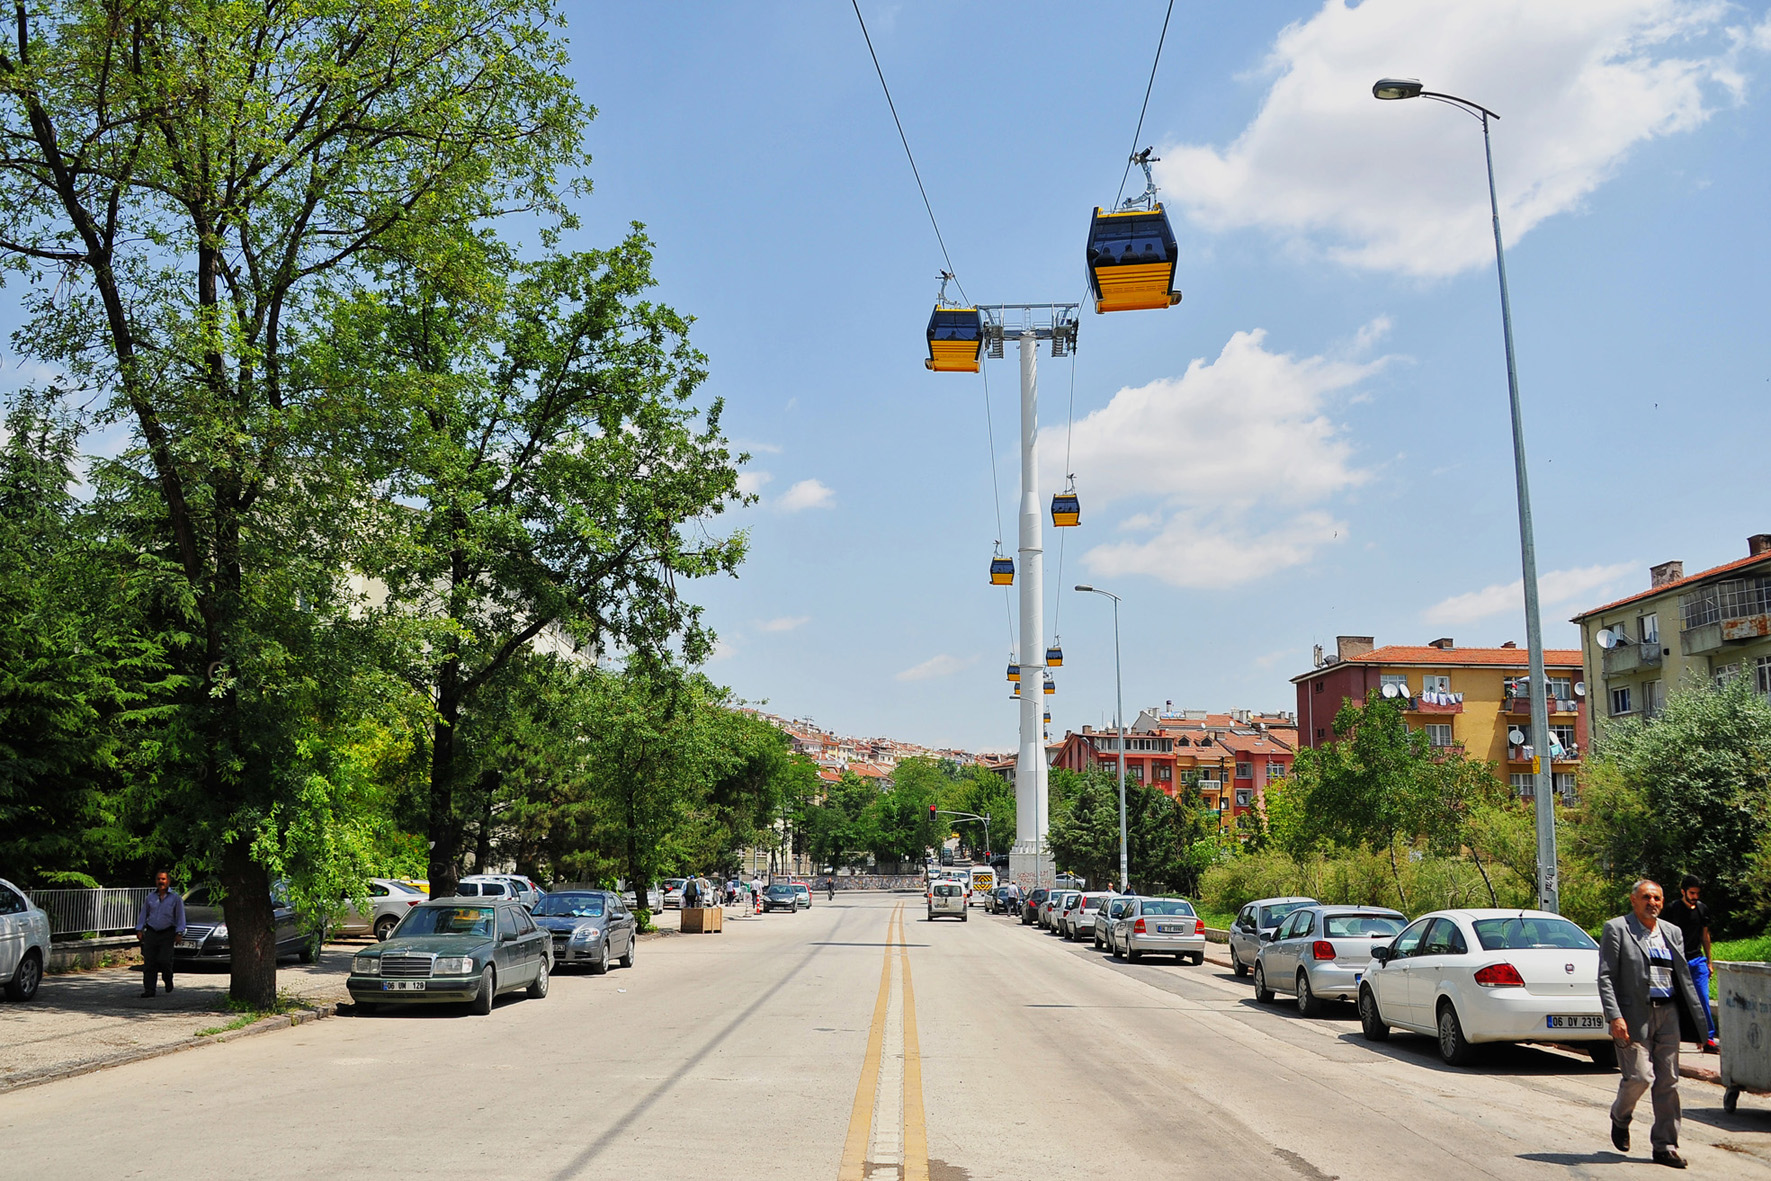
x=1132, y=953
x=24, y=982
x=602, y=960
x=964, y=915
x=1236, y=965
x=931, y=914
x=1097, y=943
x=1370, y=1019
x=538, y=986
x=1262, y=993
x=384, y=926
x=1454, y=1049
x=1198, y=958
x=1114, y=948
x=482, y=1001
x=627, y=956
x=1308, y=1005
x=1603, y=1054
x=305, y=953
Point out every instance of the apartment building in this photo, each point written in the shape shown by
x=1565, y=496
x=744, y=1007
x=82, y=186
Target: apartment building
x=1475, y=700
x=1707, y=626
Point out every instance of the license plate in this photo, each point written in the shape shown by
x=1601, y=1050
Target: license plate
x=1575, y=1022
x=185, y=945
x=1167, y=929
x=402, y=986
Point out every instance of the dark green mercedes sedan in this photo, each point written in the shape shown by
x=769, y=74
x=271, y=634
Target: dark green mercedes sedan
x=454, y=951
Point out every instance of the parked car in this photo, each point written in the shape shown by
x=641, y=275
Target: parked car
x=206, y=939
x=1468, y=977
x=1106, y=914
x=673, y=892
x=1254, y=925
x=1320, y=953
x=1166, y=926
x=780, y=896
x=24, y=943
x=947, y=899
x=1078, y=921
x=388, y=903
x=485, y=885
x=452, y=950
x=1031, y=906
x=803, y=894
x=529, y=892
x=1053, y=906
x=588, y=928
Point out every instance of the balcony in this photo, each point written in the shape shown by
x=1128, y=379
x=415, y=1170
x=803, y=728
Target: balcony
x=1436, y=703
x=1734, y=610
x=1522, y=705
x=1628, y=658
x=1522, y=754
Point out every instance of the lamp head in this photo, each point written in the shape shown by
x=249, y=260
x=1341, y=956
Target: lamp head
x=1083, y=586
x=1389, y=88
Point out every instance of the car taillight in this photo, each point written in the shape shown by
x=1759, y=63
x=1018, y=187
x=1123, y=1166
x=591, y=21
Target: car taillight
x=1500, y=976
x=414, y=902
x=1322, y=949
x=1138, y=927
x=1198, y=926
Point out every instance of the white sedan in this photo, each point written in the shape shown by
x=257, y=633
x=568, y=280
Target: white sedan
x=24, y=943
x=1471, y=976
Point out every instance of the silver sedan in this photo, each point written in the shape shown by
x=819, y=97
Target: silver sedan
x=588, y=928
x=388, y=903
x=1321, y=952
x=1167, y=926
x=1109, y=912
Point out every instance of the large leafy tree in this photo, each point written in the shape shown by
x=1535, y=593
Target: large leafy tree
x=183, y=181
x=1164, y=834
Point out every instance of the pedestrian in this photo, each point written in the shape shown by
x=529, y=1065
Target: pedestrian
x=691, y=894
x=1693, y=919
x=158, y=924
x=1646, y=992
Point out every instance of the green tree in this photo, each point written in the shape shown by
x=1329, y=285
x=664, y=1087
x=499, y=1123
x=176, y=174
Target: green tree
x=1167, y=837
x=183, y=182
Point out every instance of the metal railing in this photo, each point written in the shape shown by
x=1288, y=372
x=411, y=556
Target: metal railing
x=76, y=912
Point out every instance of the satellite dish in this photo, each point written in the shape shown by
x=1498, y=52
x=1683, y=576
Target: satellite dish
x=1516, y=737
x=1607, y=638
x=1580, y=688
x=1390, y=689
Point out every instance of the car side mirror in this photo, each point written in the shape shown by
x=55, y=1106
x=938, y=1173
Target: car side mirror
x=1267, y=936
x=1381, y=954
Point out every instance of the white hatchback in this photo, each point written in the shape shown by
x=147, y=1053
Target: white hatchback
x=1471, y=976
x=24, y=943
x=947, y=898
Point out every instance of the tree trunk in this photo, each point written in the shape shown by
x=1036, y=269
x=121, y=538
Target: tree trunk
x=1397, y=873
x=638, y=875
x=444, y=827
x=252, y=932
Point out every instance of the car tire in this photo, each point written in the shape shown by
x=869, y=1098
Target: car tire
x=305, y=953
x=627, y=956
x=1370, y=1020
x=602, y=960
x=931, y=914
x=1262, y=993
x=1097, y=943
x=1131, y=953
x=1308, y=1003
x=26, y=978
x=384, y=926
x=1454, y=1048
x=538, y=986
x=964, y=915
x=1603, y=1054
x=482, y=1001
x=1198, y=958
x=1236, y=965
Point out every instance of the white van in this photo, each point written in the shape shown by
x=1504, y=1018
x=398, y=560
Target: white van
x=983, y=880
x=947, y=897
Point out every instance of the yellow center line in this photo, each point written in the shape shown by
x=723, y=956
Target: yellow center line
x=854, y=1149
x=916, y=1133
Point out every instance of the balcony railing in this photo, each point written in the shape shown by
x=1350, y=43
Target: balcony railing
x=1628, y=658
x=1557, y=705
x=1736, y=609
x=1436, y=703
x=1523, y=754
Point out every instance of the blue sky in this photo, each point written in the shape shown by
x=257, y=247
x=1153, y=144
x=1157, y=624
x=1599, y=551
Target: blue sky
x=1315, y=441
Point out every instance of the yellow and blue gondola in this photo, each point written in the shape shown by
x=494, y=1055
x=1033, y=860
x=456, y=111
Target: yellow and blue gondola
x=1054, y=657
x=1066, y=510
x=956, y=340
x=1014, y=672
x=1051, y=686
x=1131, y=260
x=1002, y=572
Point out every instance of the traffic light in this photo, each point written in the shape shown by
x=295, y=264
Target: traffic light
x=931, y=811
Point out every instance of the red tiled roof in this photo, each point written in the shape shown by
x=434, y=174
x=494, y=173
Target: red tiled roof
x=1253, y=742
x=1725, y=568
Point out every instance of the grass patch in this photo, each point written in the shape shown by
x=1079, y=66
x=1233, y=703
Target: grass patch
x=1221, y=920
x=246, y=1014
x=1758, y=949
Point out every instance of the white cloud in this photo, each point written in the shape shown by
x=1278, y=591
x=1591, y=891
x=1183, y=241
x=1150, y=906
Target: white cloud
x=784, y=623
x=752, y=483
x=722, y=651
x=1228, y=464
x=1400, y=186
x=1557, y=588
x=935, y=666
x=806, y=494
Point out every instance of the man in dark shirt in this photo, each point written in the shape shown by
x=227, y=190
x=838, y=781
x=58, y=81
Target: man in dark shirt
x=1693, y=920
x=157, y=925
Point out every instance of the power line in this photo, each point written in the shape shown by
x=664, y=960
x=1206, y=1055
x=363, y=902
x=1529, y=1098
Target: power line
x=914, y=171
x=1136, y=135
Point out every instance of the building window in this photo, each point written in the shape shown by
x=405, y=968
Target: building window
x=1437, y=683
x=1275, y=770
x=1652, y=700
x=1319, y=686
x=1165, y=773
x=1620, y=701
x=1245, y=797
x=1649, y=628
x=1438, y=734
x=1565, y=736
x=1524, y=784
x=1245, y=770
x=1762, y=667
x=1565, y=784
x=1321, y=733
x=1561, y=688
x=1726, y=672
x=1397, y=679
x=1136, y=771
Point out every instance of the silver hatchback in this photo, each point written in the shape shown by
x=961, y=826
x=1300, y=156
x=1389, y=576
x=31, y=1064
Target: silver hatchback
x=1167, y=926
x=1078, y=921
x=1321, y=952
x=1254, y=925
x=1109, y=911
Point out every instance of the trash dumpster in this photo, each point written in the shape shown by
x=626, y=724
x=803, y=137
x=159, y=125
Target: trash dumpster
x=1743, y=1017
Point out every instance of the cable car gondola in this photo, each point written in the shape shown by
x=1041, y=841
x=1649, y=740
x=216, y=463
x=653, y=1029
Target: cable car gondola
x=1066, y=509
x=1051, y=686
x=1054, y=656
x=1132, y=252
x=1002, y=571
x=956, y=336
x=1014, y=671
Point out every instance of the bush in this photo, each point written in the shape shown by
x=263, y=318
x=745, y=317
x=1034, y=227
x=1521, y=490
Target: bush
x=1361, y=877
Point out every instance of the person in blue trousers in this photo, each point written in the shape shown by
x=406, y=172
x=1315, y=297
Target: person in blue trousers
x=1692, y=918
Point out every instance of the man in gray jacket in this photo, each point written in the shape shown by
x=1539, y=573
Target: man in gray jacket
x=1646, y=991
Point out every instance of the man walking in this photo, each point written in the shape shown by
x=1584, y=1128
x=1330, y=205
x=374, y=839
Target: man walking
x=1692, y=918
x=1646, y=992
x=157, y=925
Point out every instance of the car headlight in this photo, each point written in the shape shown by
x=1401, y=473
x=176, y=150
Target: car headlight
x=451, y=965
x=220, y=932
x=585, y=934
x=366, y=965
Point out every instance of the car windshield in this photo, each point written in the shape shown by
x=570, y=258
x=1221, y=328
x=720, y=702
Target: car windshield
x=1272, y=916
x=797, y=889
x=1353, y=926
x=578, y=906
x=780, y=891
x=1167, y=906
x=1522, y=932
x=447, y=920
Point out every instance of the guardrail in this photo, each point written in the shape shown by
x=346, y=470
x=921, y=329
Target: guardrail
x=78, y=912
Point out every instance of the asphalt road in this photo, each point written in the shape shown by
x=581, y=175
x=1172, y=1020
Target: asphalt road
x=855, y=1040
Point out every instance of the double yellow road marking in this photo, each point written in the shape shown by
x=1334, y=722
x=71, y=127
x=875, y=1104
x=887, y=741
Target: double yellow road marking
x=906, y=1146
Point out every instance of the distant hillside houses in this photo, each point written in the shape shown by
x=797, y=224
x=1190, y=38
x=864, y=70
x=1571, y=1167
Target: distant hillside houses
x=870, y=758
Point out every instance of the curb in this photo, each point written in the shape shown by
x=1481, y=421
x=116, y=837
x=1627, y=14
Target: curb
x=262, y=1025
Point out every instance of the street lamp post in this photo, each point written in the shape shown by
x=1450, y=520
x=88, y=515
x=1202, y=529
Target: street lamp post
x=1548, y=890
x=1119, y=712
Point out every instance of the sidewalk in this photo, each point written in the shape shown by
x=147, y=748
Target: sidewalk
x=81, y=1021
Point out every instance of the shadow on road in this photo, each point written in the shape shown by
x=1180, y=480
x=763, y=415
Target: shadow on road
x=1501, y=1058
x=1572, y=1159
